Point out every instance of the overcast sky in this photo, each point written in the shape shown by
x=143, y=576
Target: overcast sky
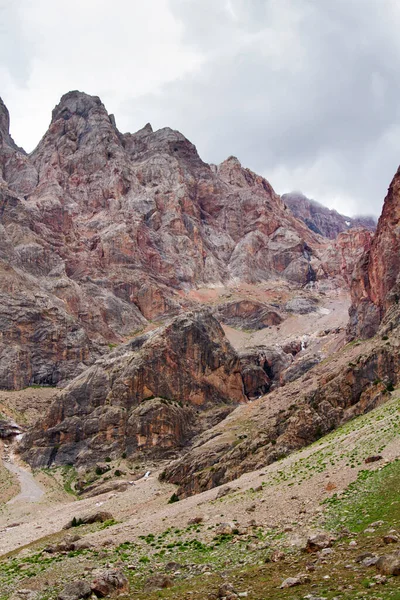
x=305, y=92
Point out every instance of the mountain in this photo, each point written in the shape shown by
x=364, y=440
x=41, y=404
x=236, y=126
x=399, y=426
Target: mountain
x=322, y=220
x=375, y=288
x=199, y=337
x=101, y=231
x=105, y=233
x=354, y=380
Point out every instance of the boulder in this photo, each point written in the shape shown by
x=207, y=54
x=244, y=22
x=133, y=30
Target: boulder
x=98, y=517
x=318, y=542
x=76, y=590
x=158, y=581
x=109, y=581
x=389, y=564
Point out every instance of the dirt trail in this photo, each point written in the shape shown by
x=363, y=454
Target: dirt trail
x=30, y=490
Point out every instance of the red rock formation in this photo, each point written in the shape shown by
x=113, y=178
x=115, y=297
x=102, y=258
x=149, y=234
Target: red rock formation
x=290, y=417
x=143, y=396
x=107, y=227
x=375, y=286
x=342, y=256
x=247, y=314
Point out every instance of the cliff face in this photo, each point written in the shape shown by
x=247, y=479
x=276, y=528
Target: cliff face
x=353, y=382
x=322, y=220
x=100, y=230
x=375, y=286
x=151, y=394
x=343, y=255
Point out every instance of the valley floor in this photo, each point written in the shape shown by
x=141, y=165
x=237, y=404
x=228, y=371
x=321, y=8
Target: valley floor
x=268, y=515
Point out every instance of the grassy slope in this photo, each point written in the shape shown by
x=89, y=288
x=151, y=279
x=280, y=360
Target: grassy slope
x=245, y=560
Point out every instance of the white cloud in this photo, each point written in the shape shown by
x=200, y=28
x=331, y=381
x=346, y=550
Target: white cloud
x=304, y=91
x=114, y=50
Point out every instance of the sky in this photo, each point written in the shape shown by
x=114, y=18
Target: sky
x=304, y=92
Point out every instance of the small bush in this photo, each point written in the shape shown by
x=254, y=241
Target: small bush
x=174, y=498
x=108, y=459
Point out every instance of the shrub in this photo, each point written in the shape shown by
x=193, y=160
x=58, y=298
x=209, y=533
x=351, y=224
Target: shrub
x=174, y=498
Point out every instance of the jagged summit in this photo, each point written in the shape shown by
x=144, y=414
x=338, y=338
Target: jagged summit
x=322, y=220
x=113, y=227
x=76, y=103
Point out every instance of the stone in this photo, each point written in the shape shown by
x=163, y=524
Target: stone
x=318, y=542
x=370, y=561
x=223, y=492
x=301, y=306
x=391, y=538
x=227, y=591
x=224, y=529
x=372, y=459
x=377, y=524
x=389, y=564
x=98, y=517
x=294, y=581
x=363, y=556
x=76, y=590
x=247, y=314
x=158, y=582
x=196, y=520
x=108, y=582
x=277, y=556
x=173, y=566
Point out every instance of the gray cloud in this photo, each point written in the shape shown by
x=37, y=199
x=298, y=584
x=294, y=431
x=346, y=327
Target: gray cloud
x=303, y=91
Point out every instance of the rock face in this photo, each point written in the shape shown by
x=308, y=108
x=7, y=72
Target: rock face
x=247, y=314
x=375, y=287
x=144, y=396
x=100, y=230
x=342, y=256
x=291, y=417
x=322, y=220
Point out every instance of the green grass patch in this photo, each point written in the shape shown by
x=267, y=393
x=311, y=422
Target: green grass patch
x=374, y=496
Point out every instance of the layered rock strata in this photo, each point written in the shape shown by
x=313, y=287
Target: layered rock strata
x=150, y=395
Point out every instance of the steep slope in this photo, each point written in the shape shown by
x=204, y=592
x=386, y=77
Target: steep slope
x=342, y=255
x=145, y=397
x=350, y=382
x=322, y=220
x=108, y=228
x=376, y=287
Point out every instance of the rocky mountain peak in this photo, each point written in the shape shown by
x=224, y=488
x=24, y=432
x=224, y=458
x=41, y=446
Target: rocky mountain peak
x=76, y=103
x=322, y=220
x=116, y=226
